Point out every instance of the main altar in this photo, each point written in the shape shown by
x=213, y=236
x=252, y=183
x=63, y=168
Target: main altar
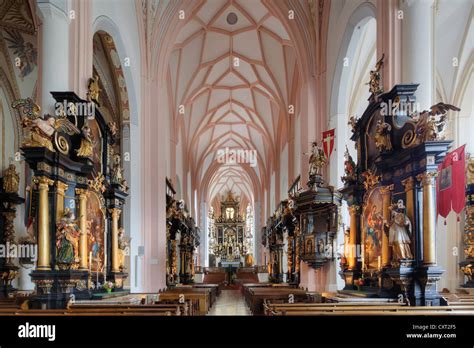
x=230, y=241
x=76, y=199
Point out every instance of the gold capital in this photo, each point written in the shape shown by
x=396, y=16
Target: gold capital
x=61, y=186
x=354, y=209
x=427, y=178
x=408, y=183
x=384, y=190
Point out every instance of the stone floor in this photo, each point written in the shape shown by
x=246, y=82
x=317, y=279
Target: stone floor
x=230, y=302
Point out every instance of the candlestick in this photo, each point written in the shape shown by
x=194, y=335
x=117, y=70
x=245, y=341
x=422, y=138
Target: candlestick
x=90, y=262
x=379, y=261
x=97, y=272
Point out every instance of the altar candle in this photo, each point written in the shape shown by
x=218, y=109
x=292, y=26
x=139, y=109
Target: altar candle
x=97, y=272
x=379, y=261
x=90, y=262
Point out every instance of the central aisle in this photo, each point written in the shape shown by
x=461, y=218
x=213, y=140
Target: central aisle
x=230, y=302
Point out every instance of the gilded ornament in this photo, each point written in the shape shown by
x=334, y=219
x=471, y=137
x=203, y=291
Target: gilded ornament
x=382, y=136
x=93, y=89
x=371, y=179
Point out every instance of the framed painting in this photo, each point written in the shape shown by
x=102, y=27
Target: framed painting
x=372, y=228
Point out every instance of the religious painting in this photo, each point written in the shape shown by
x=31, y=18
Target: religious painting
x=95, y=232
x=96, y=135
x=372, y=228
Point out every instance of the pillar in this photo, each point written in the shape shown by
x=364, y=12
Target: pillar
x=386, y=201
x=54, y=39
x=409, y=184
x=418, y=48
x=353, y=212
x=44, y=241
x=389, y=40
x=114, y=247
x=83, y=195
x=427, y=180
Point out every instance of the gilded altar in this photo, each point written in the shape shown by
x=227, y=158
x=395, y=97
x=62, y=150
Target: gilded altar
x=182, y=239
x=230, y=241
x=76, y=203
x=390, y=190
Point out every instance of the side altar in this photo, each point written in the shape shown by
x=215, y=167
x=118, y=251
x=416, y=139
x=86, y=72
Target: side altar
x=391, y=193
x=77, y=196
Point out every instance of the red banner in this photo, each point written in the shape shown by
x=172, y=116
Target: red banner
x=328, y=142
x=451, y=183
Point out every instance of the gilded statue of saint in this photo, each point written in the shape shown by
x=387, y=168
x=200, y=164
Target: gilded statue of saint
x=11, y=179
x=67, y=240
x=375, y=83
x=317, y=160
x=382, y=136
x=87, y=146
x=399, y=233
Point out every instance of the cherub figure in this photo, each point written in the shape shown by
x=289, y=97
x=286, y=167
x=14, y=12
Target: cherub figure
x=382, y=136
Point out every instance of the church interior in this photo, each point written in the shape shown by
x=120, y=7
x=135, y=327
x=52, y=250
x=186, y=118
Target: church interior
x=236, y=157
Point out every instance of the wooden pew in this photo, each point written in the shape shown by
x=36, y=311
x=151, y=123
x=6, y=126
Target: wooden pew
x=258, y=295
x=361, y=308
x=200, y=295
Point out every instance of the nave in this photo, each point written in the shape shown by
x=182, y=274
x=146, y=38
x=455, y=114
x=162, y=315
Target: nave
x=235, y=157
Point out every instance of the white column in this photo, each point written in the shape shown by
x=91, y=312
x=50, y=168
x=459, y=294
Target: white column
x=54, y=50
x=418, y=48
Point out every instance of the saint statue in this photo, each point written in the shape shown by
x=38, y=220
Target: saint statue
x=375, y=83
x=123, y=245
x=11, y=179
x=67, y=240
x=116, y=176
x=349, y=167
x=317, y=160
x=399, y=233
x=87, y=146
x=382, y=136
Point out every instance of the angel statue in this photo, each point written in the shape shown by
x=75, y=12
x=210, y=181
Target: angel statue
x=399, y=232
x=67, y=241
x=25, y=52
x=431, y=124
x=87, y=146
x=317, y=159
x=375, y=78
x=11, y=179
x=41, y=129
x=349, y=167
x=382, y=136
x=123, y=245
